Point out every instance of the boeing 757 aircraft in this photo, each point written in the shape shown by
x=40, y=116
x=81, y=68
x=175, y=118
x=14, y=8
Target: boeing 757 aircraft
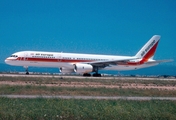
x=87, y=63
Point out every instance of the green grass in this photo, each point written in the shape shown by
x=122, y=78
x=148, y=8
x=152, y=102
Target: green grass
x=40, y=109
x=44, y=90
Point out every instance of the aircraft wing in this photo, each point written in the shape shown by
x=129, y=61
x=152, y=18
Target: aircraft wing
x=111, y=62
x=159, y=61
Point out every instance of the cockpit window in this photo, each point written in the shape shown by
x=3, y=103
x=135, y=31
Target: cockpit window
x=14, y=56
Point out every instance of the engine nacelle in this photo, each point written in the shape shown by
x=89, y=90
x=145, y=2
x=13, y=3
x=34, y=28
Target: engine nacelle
x=65, y=70
x=83, y=68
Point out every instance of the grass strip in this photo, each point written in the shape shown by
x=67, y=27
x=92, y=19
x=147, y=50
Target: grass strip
x=44, y=90
x=41, y=109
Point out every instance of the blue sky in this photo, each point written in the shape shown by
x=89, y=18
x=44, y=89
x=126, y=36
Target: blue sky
x=118, y=27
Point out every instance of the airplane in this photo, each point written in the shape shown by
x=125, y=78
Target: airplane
x=87, y=63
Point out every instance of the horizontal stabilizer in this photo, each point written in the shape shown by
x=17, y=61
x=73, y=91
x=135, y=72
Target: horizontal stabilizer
x=159, y=61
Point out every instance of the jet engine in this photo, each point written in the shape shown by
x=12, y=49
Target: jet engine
x=83, y=68
x=65, y=70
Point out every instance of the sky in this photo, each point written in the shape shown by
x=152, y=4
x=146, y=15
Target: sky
x=114, y=27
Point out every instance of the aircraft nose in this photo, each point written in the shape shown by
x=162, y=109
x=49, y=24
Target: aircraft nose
x=6, y=61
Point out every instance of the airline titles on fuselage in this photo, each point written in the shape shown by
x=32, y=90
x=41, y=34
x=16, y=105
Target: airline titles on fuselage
x=42, y=55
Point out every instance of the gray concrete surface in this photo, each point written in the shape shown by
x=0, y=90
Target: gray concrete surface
x=81, y=77
x=89, y=97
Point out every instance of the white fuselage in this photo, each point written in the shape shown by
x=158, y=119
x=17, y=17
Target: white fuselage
x=67, y=60
x=86, y=63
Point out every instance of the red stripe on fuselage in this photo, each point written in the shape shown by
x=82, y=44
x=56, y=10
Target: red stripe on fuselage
x=50, y=60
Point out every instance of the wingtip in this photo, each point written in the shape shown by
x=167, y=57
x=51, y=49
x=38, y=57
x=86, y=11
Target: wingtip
x=168, y=60
x=171, y=60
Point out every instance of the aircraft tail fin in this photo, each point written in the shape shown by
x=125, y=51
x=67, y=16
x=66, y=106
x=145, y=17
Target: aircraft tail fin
x=148, y=50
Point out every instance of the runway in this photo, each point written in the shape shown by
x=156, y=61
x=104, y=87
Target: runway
x=81, y=77
x=89, y=97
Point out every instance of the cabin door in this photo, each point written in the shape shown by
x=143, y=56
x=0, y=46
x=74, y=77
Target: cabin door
x=25, y=56
x=59, y=58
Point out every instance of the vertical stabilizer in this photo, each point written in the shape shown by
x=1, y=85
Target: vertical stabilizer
x=148, y=50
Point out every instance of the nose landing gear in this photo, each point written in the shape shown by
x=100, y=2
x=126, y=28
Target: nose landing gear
x=27, y=72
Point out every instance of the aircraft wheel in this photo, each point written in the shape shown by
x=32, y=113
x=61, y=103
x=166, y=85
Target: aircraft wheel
x=87, y=74
x=96, y=75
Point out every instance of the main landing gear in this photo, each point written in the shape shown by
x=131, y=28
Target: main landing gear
x=89, y=75
x=96, y=74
